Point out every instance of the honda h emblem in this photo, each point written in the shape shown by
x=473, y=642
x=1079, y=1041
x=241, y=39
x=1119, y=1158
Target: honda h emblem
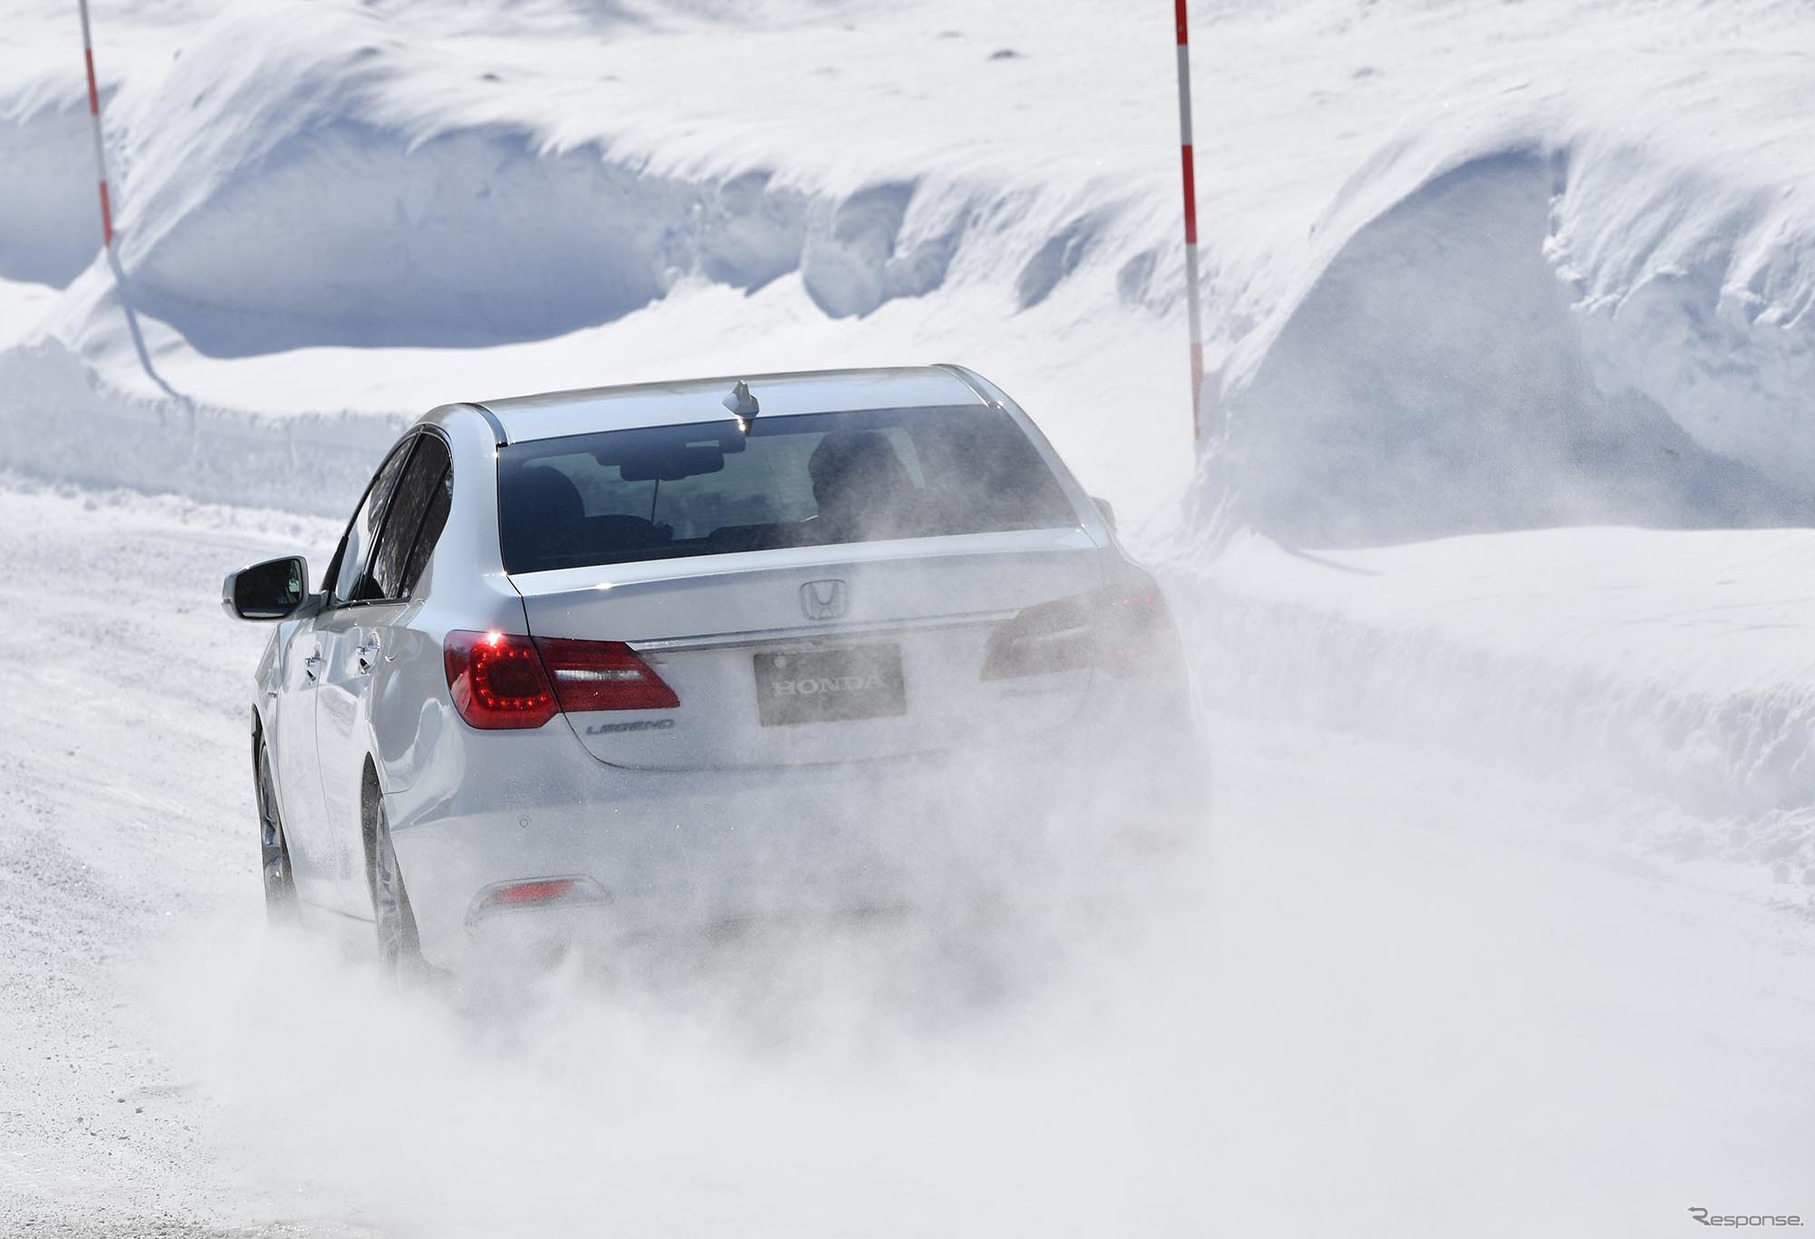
x=825, y=600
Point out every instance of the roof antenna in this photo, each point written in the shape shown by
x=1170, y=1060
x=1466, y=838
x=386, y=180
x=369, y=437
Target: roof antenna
x=743, y=405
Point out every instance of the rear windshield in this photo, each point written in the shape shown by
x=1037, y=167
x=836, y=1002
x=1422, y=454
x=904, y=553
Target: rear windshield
x=810, y=480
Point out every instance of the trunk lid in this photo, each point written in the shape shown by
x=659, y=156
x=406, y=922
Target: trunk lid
x=821, y=654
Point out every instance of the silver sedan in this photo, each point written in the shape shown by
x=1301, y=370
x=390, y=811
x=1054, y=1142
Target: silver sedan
x=660, y=657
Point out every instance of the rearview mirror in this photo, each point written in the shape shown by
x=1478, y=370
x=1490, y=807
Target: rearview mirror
x=671, y=463
x=272, y=590
x=1108, y=511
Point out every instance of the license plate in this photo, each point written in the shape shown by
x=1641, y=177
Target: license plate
x=830, y=686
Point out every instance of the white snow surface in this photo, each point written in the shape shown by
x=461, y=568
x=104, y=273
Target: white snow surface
x=1493, y=567
x=1671, y=665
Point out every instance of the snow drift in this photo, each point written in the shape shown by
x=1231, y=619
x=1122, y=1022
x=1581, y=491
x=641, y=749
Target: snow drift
x=1536, y=301
x=1531, y=335
x=58, y=422
x=296, y=191
x=49, y=222
x=1673, y=665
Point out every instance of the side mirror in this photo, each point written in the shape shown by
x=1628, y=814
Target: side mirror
x=1107, y=509
x=272, y=590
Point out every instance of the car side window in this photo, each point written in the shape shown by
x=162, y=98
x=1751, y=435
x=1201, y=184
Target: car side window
x=441, y=501
x=390, y=576
x=351, y=560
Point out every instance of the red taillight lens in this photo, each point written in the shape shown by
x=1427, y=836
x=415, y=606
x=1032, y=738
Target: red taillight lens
x=536, y=893
x=603, y=675
x=1125, y=630
x=531, y=892
x=501, y=680
x=1135, y=635
x=497, y=681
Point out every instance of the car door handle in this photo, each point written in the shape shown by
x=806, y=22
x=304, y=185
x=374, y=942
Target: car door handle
x=367, y=654
x=312, y=666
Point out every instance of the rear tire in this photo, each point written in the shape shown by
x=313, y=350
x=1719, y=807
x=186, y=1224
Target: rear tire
x=274, y=847
x=399, y=948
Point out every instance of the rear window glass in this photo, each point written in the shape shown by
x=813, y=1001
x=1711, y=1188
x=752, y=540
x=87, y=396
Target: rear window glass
x=811, y=480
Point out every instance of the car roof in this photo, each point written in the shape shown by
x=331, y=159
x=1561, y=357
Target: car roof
x=553, y=415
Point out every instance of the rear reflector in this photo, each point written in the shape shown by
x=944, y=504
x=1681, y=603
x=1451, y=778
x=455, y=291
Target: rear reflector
x=501, y=680
x=536, y=893
x=531, y=892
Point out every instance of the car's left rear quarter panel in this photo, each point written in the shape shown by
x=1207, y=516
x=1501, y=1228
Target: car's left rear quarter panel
x=416, y=736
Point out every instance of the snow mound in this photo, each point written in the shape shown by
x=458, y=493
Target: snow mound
x=1672, y=664
x=57, y=422
x=1524, y=334
x=321, y=189
x=50, y=215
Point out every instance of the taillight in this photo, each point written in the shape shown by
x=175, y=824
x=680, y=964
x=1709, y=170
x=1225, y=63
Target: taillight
x=502, y=680
x=1054, y=636
x=603, y=675
x=1135, y=635
x=497, y=681
x=1125, y=630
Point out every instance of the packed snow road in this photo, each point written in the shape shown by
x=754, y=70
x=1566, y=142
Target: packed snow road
x=1400, y=995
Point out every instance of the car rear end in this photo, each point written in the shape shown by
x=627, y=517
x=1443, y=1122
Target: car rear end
x=739, y=693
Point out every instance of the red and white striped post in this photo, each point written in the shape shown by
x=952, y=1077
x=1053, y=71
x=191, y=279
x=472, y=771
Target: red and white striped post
x=113, y=259
x=94, y=115
x=1196, y=314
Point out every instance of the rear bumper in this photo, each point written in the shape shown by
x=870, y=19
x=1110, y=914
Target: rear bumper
x=674, y=852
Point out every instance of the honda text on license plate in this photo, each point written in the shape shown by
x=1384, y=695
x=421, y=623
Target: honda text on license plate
x=830, y=686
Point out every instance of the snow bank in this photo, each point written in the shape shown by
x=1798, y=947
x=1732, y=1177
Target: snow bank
x=275, y=205
x=57, y=422
x=1673, y=664
x=1513, y=322
x=297, y=184
x=1522, y=294
x=50, y=215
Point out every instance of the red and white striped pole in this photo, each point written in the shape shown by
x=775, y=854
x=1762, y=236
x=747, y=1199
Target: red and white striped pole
x=1197, y=321
x=113, y=259
x=94, y=115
